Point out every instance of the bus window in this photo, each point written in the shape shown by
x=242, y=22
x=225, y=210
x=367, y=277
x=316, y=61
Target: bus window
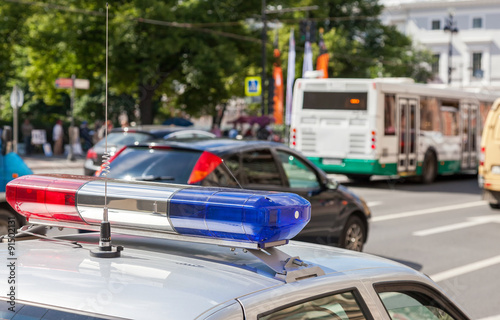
x=390, y=115
x=484, y=107
x=335, y=100
x=450, y=121
x=430, y=118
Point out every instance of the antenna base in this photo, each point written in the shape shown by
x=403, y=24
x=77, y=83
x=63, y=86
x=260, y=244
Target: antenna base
x=107, y=252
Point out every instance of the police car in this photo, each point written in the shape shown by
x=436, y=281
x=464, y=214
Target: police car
x=190, y=252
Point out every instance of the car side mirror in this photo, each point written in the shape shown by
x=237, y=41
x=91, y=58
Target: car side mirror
x=332, y=184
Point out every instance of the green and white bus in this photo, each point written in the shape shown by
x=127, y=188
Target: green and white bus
x=387, y=126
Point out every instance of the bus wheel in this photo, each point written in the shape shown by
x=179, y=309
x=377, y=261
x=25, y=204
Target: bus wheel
x=353, y=236
x=429, y=168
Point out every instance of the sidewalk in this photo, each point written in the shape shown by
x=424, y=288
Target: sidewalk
x=40, y=163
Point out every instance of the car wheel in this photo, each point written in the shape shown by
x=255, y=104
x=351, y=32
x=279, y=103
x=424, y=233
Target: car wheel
x=495, y=205
x=354, y=234
x=5, y=216
x=429, y=168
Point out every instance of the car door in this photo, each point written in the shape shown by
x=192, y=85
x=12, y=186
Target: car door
x=326, y=204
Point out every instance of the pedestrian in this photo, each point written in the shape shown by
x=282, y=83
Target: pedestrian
x=57, y=137
x=102, y=130
x=216, y=130
x=85, y=135
x=26, y=129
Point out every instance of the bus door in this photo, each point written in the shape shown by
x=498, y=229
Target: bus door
x=408, y=126
x=469, y=134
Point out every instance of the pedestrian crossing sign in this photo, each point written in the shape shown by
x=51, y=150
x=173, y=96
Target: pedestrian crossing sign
x=253, y=86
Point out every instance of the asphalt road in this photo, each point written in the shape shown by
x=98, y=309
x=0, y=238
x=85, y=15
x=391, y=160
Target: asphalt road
x=444, y=230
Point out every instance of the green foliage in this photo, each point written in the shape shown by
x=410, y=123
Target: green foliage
x=196, y=53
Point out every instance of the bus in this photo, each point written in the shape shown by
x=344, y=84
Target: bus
x=387, y=127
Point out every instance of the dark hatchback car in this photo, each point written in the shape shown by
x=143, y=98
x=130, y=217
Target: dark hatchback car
x=339, y=217
x=120, y=137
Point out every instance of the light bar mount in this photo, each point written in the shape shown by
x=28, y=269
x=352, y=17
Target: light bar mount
x=287, y=268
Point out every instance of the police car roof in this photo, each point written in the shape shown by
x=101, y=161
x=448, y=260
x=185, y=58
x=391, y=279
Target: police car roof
x=173, y=279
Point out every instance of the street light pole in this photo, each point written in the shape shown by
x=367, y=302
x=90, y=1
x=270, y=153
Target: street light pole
x=71, y=154
x=264, y=39
x=451, y=28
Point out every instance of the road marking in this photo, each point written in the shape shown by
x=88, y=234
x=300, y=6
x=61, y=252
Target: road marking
x=428, y=211
x=497, y=317
x=373, y=203
x=473, y=221
x=465, y=269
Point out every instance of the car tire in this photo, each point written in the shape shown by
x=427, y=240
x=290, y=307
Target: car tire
x=429, y=168
x=5, y=216
x=494, y=205
x=353, y=236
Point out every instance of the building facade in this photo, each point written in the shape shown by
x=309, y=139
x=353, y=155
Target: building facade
x=463, y=35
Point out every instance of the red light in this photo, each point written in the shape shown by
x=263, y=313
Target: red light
x=373, y=133
x=483, y=149
x=294, y=130
x=46, y=197
x=293, y=143
x=373, y=146
x=91, y=154
x=204, y=166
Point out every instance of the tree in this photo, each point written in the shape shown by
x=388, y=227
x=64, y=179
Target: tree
x=195, y=52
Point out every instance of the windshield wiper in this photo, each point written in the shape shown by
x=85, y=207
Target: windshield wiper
x=154, y=178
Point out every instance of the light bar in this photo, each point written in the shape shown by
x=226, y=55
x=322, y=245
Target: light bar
x=159, y=209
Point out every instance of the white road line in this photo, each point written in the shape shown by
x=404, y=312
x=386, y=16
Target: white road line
x=428, y=211
x=497, y=317
x=455, y=272
x=472, y=221
x=373, y=203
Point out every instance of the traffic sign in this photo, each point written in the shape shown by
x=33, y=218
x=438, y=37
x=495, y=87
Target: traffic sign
x=253, y=86
x=67, y=83
x=16, y=98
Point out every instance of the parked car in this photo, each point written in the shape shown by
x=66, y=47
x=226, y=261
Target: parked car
x=339, y=216
x=189, y=252
x=489, y=159
x=120, y=137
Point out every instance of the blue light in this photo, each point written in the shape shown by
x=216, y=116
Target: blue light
x=242, y=215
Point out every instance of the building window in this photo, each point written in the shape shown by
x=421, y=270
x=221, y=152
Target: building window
x=477, y=23
x=436, y=25
x=435, y=64
x=477, y=71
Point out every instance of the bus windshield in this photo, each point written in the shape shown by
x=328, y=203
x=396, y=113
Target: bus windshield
x=335, y=100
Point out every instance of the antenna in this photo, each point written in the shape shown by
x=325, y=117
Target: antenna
x=105, y=248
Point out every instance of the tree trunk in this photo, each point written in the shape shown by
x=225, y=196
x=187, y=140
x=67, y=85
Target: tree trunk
x=146, y=104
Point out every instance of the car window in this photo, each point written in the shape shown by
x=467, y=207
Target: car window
x=124, y=138
x=260, y=168
x=412, y=306
x=142, y=163
x=340, y=306
x=298, y=173
x=416, y=302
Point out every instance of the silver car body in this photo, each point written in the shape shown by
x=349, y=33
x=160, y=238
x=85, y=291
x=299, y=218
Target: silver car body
x=168, y=279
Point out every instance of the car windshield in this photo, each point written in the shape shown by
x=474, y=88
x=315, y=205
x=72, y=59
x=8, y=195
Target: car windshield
x=143, y=163
x=124, y=138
